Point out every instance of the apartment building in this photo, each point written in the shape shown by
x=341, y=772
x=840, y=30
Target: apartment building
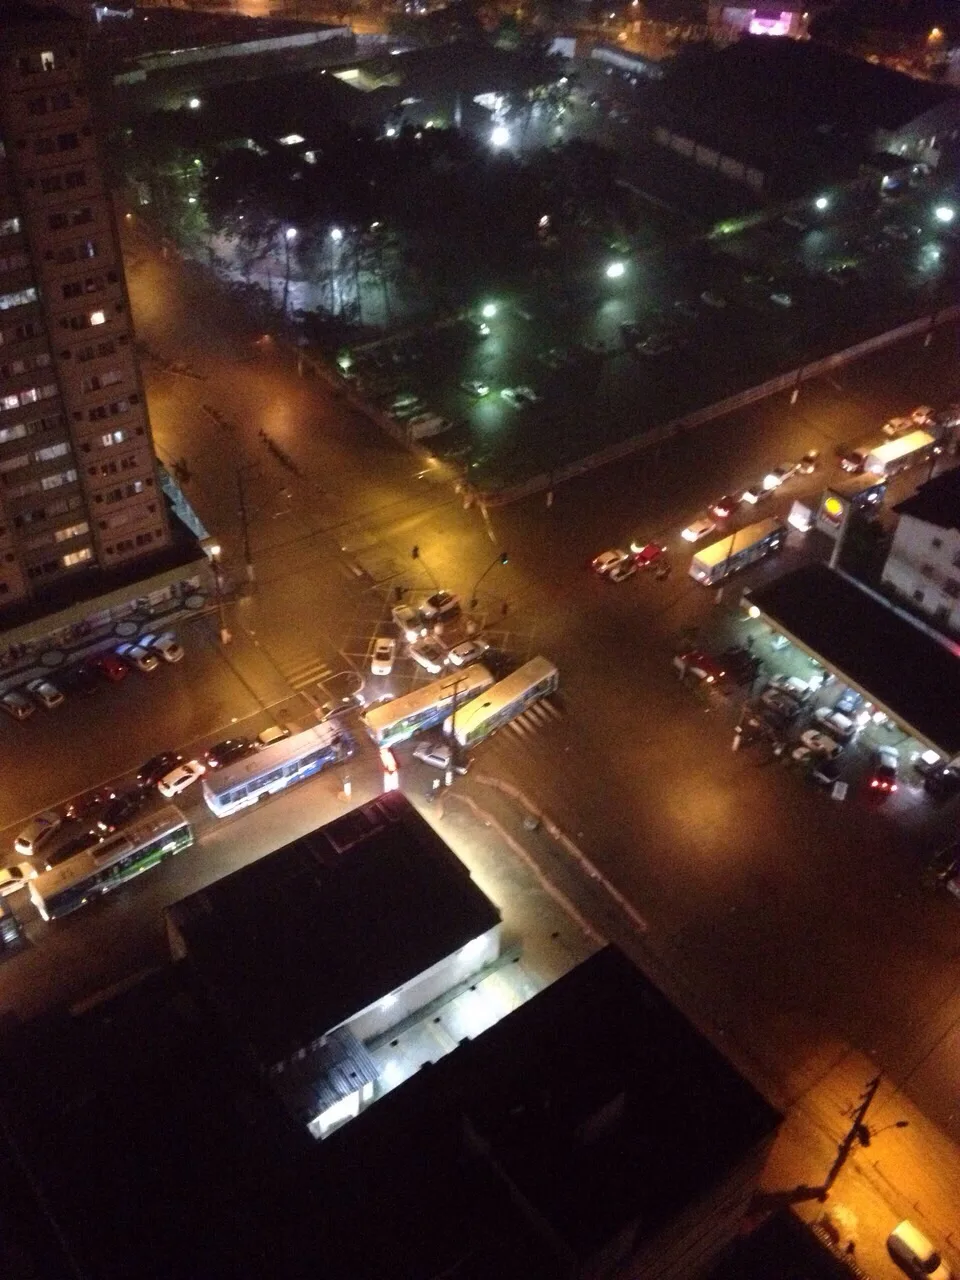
x=923, y=567
x=79, y=488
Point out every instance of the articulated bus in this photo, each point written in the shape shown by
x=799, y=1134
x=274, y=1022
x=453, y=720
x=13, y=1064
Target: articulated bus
x=712, y=564
x=401, y=718
x=273, y=768
x=534, y=680
x=112, y=862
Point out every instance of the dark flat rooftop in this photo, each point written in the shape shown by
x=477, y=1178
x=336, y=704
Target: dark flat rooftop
x=295, y=944
x=883, y=652
x=937, y=502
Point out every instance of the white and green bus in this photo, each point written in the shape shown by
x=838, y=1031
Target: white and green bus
x=534, y=680
x=401, y=718
x=115, y=860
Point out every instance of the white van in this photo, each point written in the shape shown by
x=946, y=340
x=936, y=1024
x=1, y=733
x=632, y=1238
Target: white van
x=38, y=832
x=912, y=1251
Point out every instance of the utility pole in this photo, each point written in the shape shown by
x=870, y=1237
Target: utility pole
x=244, y=525
x=855, y=1134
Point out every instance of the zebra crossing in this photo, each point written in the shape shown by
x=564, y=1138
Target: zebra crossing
x=534, y=718
x=304, y=674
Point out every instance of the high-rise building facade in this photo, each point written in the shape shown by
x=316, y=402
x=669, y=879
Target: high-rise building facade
x=78, y=481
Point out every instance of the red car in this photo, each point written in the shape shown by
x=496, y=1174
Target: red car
x=646, y=553
x=724, y=507
x=110, y=666
x=699, y=665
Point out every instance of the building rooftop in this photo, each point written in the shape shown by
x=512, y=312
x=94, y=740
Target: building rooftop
x=892, y=659
x=936, y=502
x=292, y=946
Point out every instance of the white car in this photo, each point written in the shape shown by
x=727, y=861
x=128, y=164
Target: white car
x=47, y=694
x=382, y=658
x=513, y=398
x=438, y=755
x=793, y=686
x=527, y=395
x=626, y=569
x=17, y=705
x=178, y=779
x=14, y=878
x=37, y=833
x=607, y=560
x=839, y=726
x=167, y=645
x=137, y=656
x=273, y=733
x=817, y=744
x=913, y=1253
x=461, y=655
x=442, y=606
x=698, y=529
x=429, y=654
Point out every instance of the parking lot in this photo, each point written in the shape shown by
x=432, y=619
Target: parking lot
x=611, y=343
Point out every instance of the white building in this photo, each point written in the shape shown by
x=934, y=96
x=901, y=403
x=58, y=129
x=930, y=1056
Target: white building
x=923, y=566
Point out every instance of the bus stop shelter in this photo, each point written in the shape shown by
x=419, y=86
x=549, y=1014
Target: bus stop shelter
x=904, y=667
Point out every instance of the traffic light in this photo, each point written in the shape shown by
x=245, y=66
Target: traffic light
x=504, y=557
x=415, y=553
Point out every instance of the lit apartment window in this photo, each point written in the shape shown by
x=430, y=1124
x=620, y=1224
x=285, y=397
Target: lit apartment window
x=51, y=452
x=77, y=557
x=18, y=299
x=96, y=317
x=113, y=437
x=47, y=61
x=9, y=226
x=61, y=477
x=71, y=531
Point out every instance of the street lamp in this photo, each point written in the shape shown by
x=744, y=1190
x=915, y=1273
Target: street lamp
x=488, y=310
x=500, y=136
x=194, y=104
x=336, y=235
x=821, y=203
x=214, y=551
x=615, y=270
x=944, y=213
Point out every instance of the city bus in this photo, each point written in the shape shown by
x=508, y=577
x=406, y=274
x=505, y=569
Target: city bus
x=534, y=680
x=712, y=564
x=273, y=768
x=112, y=862
x=401, y=718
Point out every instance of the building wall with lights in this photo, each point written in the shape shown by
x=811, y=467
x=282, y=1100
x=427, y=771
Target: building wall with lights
x=78, y=481
x=923, y=567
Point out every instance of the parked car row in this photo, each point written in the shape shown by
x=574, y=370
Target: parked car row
x=111, y=665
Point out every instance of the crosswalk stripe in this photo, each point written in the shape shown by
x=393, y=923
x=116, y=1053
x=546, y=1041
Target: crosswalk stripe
x=306, y=673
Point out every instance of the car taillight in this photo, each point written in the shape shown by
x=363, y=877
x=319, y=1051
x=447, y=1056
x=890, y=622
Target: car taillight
x=874, y=782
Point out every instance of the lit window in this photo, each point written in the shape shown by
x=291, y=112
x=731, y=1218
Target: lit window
x=77, y=557
x=71, y=531
x=98, y=317
x=47, y=61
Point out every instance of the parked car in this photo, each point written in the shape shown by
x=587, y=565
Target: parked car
x=474, y=388
x=825, y=770
x=608, y=560
x=110, y=667
x=178, y=779
x=700, y=665
x=442, y=606
x=17, y=705
x=429, y=653
x=157, y=767
x=742, y=665
x=46, y=693
x=914, y=1254
x=167, y=645
x=819, y=744
x=776, y=700
x=755, y=495
x=227, y=751
x=513, y=398
x=835, y=723
x=792, y=686
x=698, y=529
x=382, y=658
x=461, y=655
x=86, y=809
x=849, y=702
x=14, y=878
x=38, y=832
x=80, y=678
x=942, y=783
x=626, y=569
x=882, y=778
x=136, y=655
x=124, y=806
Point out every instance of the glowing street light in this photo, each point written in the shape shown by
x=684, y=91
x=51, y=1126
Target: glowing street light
x=290, y=234
x=616, y=270
x=821, y=203
x=944, y=213
x=194, y=104
x=500, y=136
x=488, y=310
x=336, y=235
